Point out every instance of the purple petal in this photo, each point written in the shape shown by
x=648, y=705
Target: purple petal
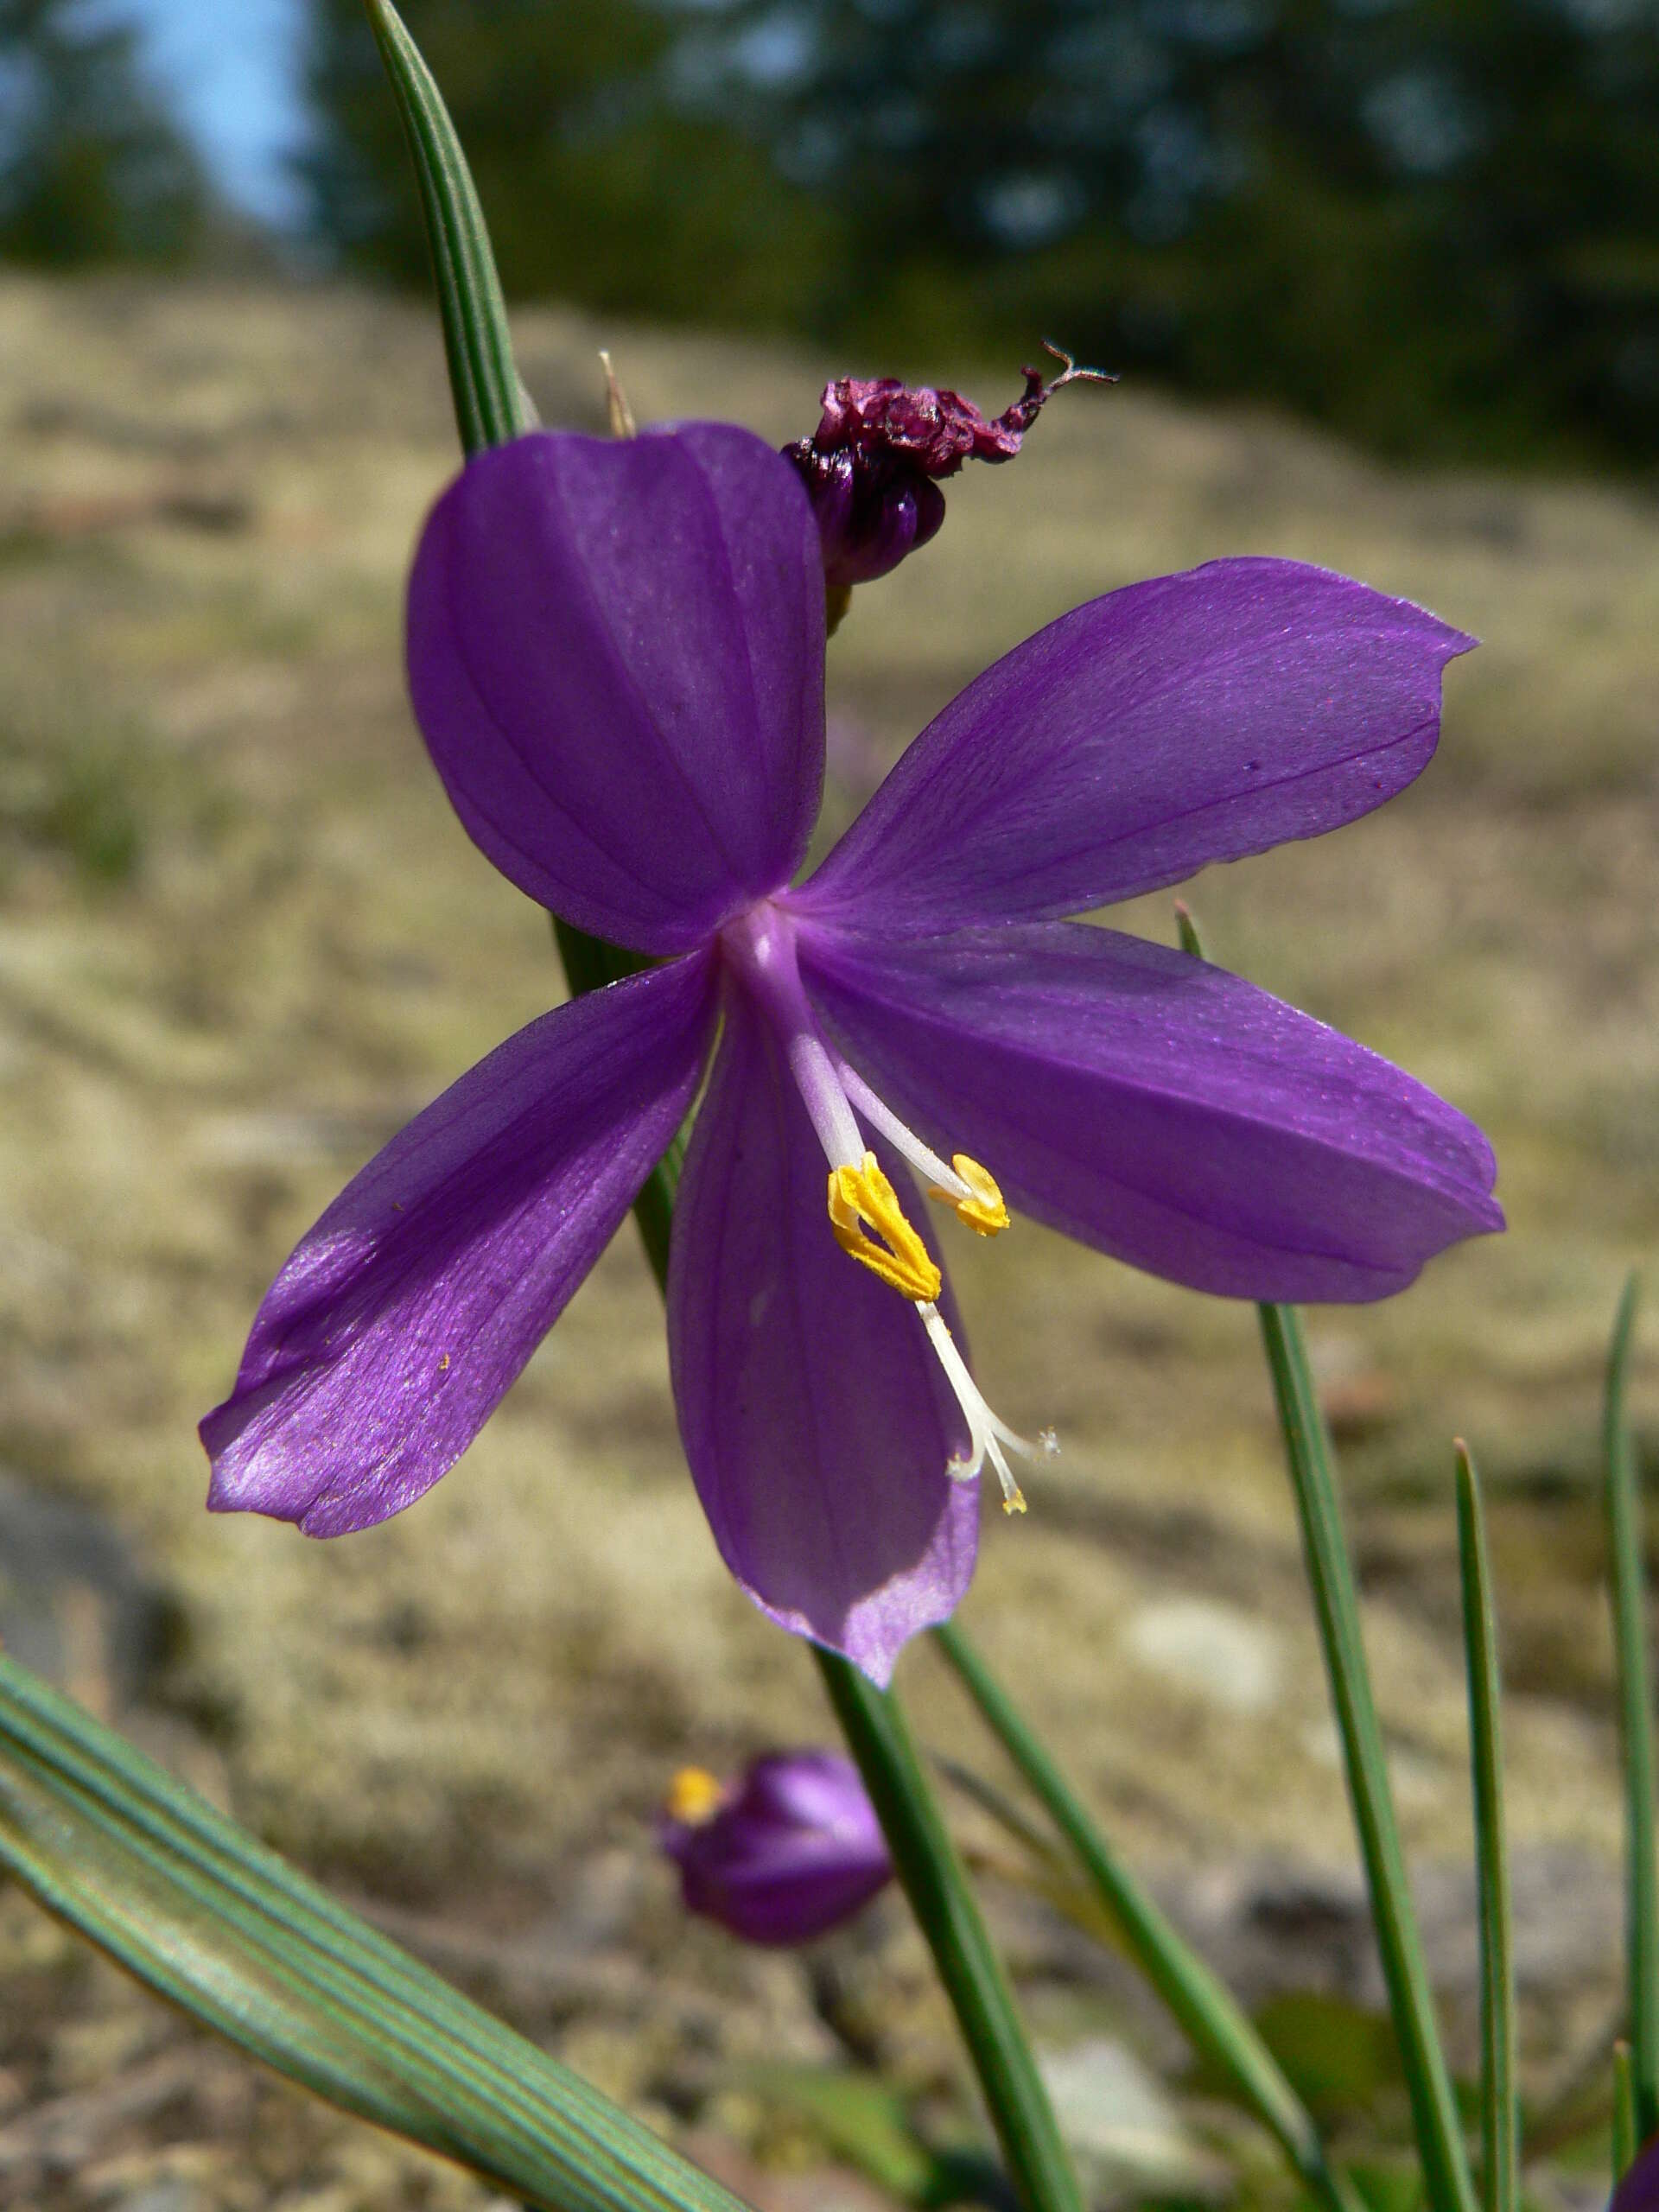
x=815, y=1416
x=616, y=655
x=1159, y=1108
x=1190, y=719
x=401, y=1319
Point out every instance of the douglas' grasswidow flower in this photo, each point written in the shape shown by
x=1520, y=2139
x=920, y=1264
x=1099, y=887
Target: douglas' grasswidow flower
x=788, y=1854
x=616, y=656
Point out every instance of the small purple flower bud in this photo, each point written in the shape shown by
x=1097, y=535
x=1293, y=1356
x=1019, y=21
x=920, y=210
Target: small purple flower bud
x=872, y=465
x=788, y=1854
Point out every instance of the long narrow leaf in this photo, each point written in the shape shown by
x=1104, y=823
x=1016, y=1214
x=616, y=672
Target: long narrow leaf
x=1636, y=1724
x=1330, y=1577
x=490, y=403
x=193, y=1905
x=1499, y=2105
x=1211, y=2017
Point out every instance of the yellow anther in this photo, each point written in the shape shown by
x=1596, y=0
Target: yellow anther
x=982, y=1209
x=860, y=1195
x=1015, y=1500
x=694, y=1797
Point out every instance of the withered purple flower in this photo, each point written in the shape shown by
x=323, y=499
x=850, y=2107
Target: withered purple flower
x=790, y=1852
x=873, y=466
x=616, y=656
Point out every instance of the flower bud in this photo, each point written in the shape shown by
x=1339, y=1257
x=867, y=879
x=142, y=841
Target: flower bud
x=788, y=1854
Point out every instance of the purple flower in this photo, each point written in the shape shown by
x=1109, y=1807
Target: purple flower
x=872, y=465
x=790, y=1854
x=616, y=656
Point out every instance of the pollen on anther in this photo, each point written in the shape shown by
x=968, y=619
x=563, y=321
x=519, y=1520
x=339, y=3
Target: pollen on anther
x=979, y=1203
x=863, y=1195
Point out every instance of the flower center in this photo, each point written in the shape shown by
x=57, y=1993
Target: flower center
x=866, y=1217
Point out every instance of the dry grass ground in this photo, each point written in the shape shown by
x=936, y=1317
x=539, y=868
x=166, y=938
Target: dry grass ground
x=243, y=939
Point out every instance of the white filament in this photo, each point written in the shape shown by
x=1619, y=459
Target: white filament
x=880, y=1116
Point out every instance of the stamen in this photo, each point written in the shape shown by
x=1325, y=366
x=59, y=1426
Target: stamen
x=986, y=1434
x=979, y=1203
x=965, y=1185
x=863, y=1194
x=694, y=1797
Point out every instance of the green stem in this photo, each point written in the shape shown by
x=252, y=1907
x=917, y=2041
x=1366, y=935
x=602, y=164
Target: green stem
x=1636, y=1724
x=1208, y=2014
x=489, y=408
x=926, y=1861
x=1330, y=1574
x=1499, y=2103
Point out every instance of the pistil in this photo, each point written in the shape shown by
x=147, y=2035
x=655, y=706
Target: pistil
x=986, y=1435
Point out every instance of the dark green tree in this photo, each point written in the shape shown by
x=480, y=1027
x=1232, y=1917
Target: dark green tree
x=1432, y=223
x=599, y=184
x=91, y=169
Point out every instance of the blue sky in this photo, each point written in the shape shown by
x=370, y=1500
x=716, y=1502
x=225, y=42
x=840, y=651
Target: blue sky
x=231, y=70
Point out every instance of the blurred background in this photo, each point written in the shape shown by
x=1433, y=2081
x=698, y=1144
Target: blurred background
x=1433, y=223
x=1383, y=279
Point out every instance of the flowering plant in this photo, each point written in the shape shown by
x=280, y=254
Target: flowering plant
x=616, y=658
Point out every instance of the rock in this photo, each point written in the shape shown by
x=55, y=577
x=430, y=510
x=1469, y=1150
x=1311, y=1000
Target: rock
x=1225, y=1654
x=1121, y=2124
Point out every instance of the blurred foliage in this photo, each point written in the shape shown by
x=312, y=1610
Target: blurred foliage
x=1433, y=223
x=91, y=169
x=599, y=184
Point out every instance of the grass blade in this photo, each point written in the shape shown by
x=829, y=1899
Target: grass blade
x=490, y=402
x=927, y=1865
x=1500, y=2106
x=1331, y=1579
x=196, y=1908
x=1211, y=2017
x=1636, y=1724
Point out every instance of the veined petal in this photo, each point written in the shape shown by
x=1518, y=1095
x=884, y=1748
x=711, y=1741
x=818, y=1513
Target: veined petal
x=616, y=656
x=401, y=1319
x=815, y=1418
x=1193, y=719
x=1160, y=1108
